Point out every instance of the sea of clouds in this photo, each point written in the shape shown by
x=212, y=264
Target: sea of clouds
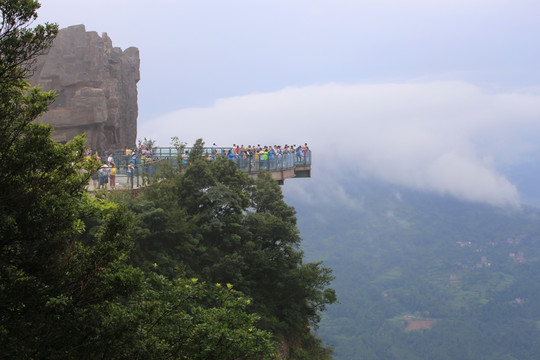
x=445, y=137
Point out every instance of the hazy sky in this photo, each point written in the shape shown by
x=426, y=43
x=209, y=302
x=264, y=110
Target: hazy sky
x=432, y=94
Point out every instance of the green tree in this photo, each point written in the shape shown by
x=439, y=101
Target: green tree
x=215, y=223
x=185, y=319
x=66, y=290
x=197, y=151
x=295, y=293
x=20, y=44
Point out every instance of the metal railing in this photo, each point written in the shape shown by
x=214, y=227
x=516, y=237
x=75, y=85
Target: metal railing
x=247, y=162
x=145, y=165
x=140, y=175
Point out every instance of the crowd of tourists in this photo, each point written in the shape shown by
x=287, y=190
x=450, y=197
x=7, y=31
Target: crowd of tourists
x=253, y=158
x=105, y=176
x=264, y=152
x=248, y=158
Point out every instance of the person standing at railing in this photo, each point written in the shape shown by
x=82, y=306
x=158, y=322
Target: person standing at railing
x=305, y=152
x=130, y=175
x=256, y=162
x=185, y=158
x=112, y=176
x=110, y=159
x=272, y=158
x=261, y=159
x=284, y=155
x=249, y=156
x=103, y=176
x=265, y=158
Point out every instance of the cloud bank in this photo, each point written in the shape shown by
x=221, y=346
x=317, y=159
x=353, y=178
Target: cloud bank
x=445, y=137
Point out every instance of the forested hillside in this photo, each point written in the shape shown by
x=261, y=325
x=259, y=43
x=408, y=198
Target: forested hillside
x=204, y=263
x=425, y=276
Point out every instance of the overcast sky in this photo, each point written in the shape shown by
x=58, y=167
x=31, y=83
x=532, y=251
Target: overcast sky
x=432, y=94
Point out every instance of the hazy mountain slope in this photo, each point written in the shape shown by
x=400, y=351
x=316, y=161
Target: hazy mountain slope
x=525, y=177
x=463, y=275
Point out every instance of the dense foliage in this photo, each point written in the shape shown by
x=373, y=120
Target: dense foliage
x=67, y=288
x=423, y=276
x=213, y=222
x=70, y=285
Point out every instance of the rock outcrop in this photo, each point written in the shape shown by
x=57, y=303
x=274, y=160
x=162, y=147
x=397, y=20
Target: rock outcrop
x=96, y=85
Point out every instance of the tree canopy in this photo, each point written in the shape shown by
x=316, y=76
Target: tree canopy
x=214, y=222
x=66, y=287
x=204, y=264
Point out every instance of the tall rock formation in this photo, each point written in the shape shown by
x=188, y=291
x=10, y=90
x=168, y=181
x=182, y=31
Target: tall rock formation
x=96, y=85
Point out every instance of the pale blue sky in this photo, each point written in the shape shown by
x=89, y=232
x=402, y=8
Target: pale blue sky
x=194, y=52
x=433, y=94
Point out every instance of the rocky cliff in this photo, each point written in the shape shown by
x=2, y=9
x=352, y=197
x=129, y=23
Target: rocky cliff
x=96, y=85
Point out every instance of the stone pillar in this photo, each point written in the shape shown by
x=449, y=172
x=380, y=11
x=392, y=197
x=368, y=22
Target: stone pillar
x=96, y=85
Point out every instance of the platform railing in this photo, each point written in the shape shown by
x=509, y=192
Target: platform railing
x=247, y=163
x=145, y=165
x=139, y=176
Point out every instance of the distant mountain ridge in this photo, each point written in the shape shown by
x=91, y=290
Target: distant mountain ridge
x=425, y=276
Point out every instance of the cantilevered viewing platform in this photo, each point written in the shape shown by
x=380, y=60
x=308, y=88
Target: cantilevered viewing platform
x=287, y=165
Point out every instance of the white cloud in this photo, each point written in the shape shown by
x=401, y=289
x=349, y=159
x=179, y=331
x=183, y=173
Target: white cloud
x=422, y=135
